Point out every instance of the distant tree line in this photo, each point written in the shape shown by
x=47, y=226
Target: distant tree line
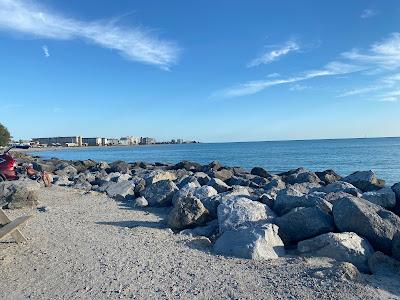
x=5, y=136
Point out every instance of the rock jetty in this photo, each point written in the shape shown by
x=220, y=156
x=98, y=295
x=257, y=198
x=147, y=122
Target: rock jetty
x=248, y=214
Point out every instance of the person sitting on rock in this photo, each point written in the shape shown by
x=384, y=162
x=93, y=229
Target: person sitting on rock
x=32, y=173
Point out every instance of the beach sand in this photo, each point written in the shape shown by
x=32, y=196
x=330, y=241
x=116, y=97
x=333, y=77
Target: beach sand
x=88, y=246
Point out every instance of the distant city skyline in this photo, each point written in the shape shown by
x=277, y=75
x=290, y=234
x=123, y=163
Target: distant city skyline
x=207, y=71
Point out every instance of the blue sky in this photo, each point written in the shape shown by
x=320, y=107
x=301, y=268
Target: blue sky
x=204, y=70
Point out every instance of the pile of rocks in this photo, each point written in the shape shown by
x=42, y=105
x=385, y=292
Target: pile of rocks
x=257, y=215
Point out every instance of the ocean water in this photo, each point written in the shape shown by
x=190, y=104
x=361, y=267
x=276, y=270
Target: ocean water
x=345, y=156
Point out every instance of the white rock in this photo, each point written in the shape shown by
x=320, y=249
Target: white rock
x=344, y=247
x=140, y=202
x=384, y=197
x=241, y=211
x=257, y=243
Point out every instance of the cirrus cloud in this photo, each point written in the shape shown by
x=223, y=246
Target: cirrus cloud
x=135, y=44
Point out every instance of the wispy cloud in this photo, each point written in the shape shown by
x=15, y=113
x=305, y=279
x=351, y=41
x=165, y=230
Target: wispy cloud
x=298, y=87
x=252, y=87
x=384, y=54
x=368, y=13
x=45, y=51
x=392, y=96
x=273, y=53
x=135, y=44
x=379, y=59
x=384, y=89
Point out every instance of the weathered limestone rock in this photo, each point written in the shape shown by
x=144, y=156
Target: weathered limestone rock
x=222, y=174
x=211, y=203
x=181, y=182
x=219, y=185
x=20, y=194
x=187, y=212
x=328, y=176
x=257, y=243
x=241, y=211
x=368, y=220
x=384, y=197
x=365, y=181
x=346, y=247
x=341, y=186
x=304, y=223
x=160, y=193
x=159, y=175
x=123, y=190
x=290, y=198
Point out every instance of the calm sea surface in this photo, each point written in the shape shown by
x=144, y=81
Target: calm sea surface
x=343, y=155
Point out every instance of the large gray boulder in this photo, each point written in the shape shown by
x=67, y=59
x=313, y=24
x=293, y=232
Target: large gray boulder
x=187, y=212
x=241, y=211
x=20, y=194
x=202, y=178
x=119, y=166
x=223, y=174
x=345, y=247
x=212, y=202
x=260, y=172
x=187, y=179
x=328, y=176
x=62, y=180
x=67, y=170
x=384, y=197
x=365, y=181
x=187, y=165
x=123, y=190
x=341, y=186
x=219, y=185
x=368, y=220
x=257, y=243
x=204, y=192
x=159, y=175
x=160, y=193
x=303, y=223
x=84, y=165
x=300, y=175
x=381, y=264
x=290, y=198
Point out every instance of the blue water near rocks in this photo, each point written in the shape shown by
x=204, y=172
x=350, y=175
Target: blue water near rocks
x=342, y=155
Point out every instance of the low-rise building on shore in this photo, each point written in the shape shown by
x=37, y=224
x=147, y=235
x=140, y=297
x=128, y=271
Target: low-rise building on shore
x=67, y=141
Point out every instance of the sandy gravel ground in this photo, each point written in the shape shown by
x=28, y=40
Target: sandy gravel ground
x=87, y=246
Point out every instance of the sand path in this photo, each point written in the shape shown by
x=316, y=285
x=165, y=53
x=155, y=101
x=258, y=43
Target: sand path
x=87, y=246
